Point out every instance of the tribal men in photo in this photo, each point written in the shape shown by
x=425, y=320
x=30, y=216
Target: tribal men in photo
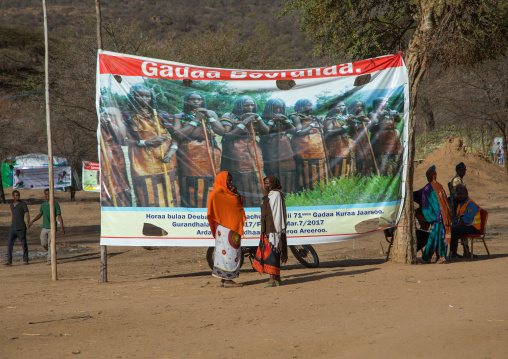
x=385, y=138
x=115, y=185
x=365, y=164
x=198, y=154
x=151, y=150
x=308, y=146
x=241, y=154
x=276, y=147
x=338, y=139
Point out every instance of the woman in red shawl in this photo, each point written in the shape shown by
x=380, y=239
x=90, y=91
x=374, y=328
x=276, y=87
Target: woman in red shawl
x=436, y=212
x=226, y=217
x=272, y=249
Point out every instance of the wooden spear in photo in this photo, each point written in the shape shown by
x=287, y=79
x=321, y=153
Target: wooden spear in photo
x=258, y=163
x=370, y=146
x=208, y=149
x=167, y=180
x=325, y=151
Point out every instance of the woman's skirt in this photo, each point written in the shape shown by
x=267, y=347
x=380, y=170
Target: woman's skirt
x=228, y=251
x=267, y=258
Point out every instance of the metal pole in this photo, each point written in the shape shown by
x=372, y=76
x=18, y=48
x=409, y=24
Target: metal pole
x=103, y=273
x=54, y=275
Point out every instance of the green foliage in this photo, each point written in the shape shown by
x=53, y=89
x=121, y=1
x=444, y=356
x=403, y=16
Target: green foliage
x=355, y=28
x=170, y=93
x=343, y=190
x=452, y=32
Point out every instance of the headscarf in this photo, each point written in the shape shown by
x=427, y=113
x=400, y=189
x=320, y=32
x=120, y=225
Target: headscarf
x=224, y=207
x=277, y=204
x=446, y=213
x=275, y=186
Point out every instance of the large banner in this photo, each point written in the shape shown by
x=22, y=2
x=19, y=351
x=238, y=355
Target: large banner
x=34, y=177
x=335, y=136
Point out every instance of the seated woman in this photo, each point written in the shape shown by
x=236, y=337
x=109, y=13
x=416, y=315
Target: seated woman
x=436, y=212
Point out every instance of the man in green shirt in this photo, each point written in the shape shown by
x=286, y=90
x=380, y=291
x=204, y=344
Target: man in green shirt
x=46, y=223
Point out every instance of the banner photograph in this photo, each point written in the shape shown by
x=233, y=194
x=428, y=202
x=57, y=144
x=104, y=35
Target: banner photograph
x=335, y=136
x=29, y=177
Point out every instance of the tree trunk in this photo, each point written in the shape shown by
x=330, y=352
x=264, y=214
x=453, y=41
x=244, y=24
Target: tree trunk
x=505, y=147
x=404, y=241
x=429, y=114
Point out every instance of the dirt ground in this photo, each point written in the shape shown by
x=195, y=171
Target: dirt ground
x=163, y=303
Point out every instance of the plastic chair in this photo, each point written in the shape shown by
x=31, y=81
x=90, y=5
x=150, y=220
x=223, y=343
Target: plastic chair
x=421, y=239
x=389, y=234
x=480, y=236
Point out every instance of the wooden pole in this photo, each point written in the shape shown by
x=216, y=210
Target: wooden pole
x=54, y=275
x=103, y=272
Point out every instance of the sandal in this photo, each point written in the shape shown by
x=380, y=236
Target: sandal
x=270, y=284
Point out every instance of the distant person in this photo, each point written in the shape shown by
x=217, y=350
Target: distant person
x=20, y=223
x=272, y=249
x=501, y=155
x=436, y=213
x=44, y=212
x=456, y=182
x=466, y=220
x=226, y=217
x=495, y=151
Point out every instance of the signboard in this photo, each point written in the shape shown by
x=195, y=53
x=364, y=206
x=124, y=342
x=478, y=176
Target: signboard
x=91, y=177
